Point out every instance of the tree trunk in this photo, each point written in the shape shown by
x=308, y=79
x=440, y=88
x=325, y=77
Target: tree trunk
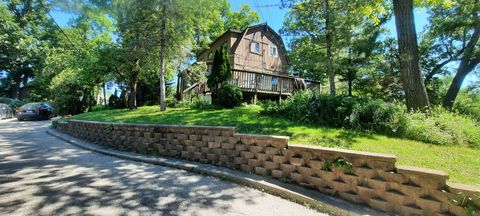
x=415, y=92
x=467, y=64
x=132, y=87
x=328, y=40
x=454, y=88
x=350, y=85
x=163, y=105
x=132, y=96
x=104, y=94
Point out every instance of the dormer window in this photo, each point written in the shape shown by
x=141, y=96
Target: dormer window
x=255, y=47
x=273, y=51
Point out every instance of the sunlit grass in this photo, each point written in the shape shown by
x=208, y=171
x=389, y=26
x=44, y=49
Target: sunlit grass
x=462, y=163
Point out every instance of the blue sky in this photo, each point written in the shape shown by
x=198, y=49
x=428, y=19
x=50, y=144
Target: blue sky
x=273, y=15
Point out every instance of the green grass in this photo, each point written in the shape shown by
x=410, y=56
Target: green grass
x=461, y=163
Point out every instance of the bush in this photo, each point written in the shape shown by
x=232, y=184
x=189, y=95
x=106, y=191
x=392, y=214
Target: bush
x=11, y=102
x=442, y=127
x=229, y=96
x=98, y=108
x=116, y=102
x=195, y=103
x=437, y=126
x=200, y=104
x=378, y=116
x=312, y=107
x=468, y=104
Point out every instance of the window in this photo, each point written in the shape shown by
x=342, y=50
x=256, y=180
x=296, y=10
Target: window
x=273, y=51
x=210, y=56
x=255, y=47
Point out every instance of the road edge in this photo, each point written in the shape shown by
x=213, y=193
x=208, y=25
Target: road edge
x=295, y=193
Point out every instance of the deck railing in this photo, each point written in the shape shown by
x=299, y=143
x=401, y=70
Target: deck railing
x=263, y=83
x=269, y=83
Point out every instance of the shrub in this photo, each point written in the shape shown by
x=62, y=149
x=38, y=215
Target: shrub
x=468, y=104
x=195, y=103
x=439, y=126
x=378, y=116
x=116, y=102
x=229, y=96
x=11, y=102
x=201, y=104
x=100, y=108
x=312, y=107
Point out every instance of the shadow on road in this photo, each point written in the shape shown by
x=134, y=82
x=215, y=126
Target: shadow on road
x=40, y=175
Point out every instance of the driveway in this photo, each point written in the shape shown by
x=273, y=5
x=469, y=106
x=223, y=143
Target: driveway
x=41, y=175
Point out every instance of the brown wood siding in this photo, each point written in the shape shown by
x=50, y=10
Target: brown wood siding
x=244, y=59
x=224, y=39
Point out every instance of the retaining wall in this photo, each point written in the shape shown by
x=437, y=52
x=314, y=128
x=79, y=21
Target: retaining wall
x=360, y=177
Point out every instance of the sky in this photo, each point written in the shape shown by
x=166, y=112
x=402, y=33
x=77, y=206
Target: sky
x=273, y=15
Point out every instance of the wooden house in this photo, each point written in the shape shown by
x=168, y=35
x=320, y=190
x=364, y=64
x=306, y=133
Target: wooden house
x=259, y=64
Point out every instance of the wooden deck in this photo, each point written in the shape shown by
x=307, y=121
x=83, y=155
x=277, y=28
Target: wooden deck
x=261, y=83
x=250, y=81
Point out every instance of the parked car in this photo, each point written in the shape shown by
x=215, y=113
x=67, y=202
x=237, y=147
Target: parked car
x=35, y=111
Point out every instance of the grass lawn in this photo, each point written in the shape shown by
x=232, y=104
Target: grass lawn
x=461, y=163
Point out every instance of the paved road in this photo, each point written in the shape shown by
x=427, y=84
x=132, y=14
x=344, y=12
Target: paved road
x=41, y=175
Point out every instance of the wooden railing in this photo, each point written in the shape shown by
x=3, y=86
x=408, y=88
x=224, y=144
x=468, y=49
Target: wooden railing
x=256, y=82
x=269, y=83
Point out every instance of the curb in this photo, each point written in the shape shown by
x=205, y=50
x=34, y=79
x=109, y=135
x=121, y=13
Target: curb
x=298, y=194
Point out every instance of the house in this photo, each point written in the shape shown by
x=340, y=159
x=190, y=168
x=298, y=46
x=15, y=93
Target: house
x=259, y=63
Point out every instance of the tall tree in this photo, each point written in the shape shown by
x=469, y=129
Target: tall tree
x=329, y=28
x=460, y=24
x=415, y=92
x=221, y=70
x=324, y=31
x=26, y=35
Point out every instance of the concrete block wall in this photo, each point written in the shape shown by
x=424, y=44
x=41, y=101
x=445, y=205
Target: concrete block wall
x=360, y=177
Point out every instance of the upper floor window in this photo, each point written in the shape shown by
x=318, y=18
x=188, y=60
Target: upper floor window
x=255, y=47
x=273, y=51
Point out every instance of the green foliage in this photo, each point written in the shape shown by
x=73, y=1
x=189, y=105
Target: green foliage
x=378, y=116
x=439, y=126
x=468, y=103
x=467, y=202
x=11, y=102
x=98, y=108
x=221, y=68
x=201, y=104
x=116, y=102
x=342, y=163
x=312, y=107
x=196, y=103
x=67, y=93
x=197, y=73
x=242, y=18
x=327, y=166
x=462, y=163
x=55, y=123
x=229, y=96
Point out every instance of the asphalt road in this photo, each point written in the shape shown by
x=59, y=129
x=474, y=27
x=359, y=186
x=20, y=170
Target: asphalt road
x=41, y=175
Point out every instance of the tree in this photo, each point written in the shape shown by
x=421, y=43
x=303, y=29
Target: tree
x=325, y=31
x=216, y=17
x=458, y=28
x=240, y=19
x=415, y=92
x=26, y=36
x=221, y=70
